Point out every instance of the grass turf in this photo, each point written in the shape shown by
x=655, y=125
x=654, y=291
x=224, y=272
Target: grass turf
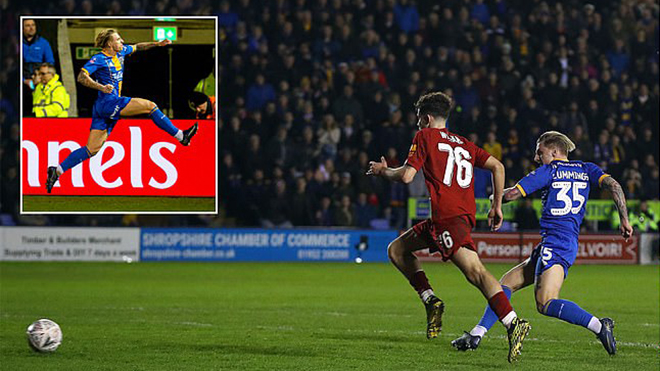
x=316, y=316
x=117, y=203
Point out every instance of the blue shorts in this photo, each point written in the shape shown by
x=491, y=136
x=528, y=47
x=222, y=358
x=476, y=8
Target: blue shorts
x=105, y=113
x=554, y=249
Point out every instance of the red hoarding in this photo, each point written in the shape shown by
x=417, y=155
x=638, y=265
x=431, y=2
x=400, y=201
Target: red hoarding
x=515, y=247
x=138, y=159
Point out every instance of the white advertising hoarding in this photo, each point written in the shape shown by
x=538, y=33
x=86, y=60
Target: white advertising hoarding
x=69, y=244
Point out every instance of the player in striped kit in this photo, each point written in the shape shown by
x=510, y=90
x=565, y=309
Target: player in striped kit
x=104, y=72
x=565, y=188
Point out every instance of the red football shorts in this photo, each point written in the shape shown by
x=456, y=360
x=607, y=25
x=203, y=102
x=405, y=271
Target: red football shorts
x=446, y=236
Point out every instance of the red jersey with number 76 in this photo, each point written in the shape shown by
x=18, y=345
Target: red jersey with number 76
x=448, y=162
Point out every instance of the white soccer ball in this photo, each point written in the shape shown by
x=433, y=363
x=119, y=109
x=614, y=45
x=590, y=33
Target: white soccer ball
x=44, y=335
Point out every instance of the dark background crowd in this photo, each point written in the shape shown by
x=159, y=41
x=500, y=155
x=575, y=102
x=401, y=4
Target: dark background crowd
x=311, y=91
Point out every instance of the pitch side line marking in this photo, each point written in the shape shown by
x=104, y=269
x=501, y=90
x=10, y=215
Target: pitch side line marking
x=196, y=324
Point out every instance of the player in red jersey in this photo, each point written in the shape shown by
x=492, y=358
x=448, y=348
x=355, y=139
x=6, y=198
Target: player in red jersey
x=447, y=161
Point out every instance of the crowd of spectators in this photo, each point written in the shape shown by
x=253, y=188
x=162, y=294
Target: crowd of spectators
x=311, y=91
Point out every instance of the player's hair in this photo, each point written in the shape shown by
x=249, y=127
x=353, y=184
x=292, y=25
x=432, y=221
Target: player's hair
x=556, y=140
x=103, y=37
x=435, y=104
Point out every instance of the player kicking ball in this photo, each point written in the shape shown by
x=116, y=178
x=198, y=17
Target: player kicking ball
x=448, y=160
x=565, y=189
x=104, y=72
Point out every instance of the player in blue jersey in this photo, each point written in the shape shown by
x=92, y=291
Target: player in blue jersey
x=564, y=187
x=104, y=72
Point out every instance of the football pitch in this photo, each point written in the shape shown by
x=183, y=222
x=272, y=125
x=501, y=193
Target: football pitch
x=117, y=203
x=305, y=316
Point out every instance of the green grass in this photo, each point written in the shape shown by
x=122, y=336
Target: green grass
x=299, y=316
x=117, y=203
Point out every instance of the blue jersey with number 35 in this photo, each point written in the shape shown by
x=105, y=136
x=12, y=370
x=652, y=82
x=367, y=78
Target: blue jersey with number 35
x=565, y=189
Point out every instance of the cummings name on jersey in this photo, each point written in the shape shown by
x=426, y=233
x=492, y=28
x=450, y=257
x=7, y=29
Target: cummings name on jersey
x=570, y=175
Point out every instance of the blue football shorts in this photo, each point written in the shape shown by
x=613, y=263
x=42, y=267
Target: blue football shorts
x=105, y=113
x=554, y=249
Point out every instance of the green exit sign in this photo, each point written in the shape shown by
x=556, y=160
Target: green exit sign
x=165, y=33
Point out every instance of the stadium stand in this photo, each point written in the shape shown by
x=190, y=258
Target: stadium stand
x=310, y=91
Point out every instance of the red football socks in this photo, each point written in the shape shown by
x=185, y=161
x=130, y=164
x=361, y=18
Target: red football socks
x=419, y=282
x=500, y=304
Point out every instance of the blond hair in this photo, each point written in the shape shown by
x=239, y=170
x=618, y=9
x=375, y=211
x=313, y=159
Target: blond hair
x=103, y=37
x=557, y=140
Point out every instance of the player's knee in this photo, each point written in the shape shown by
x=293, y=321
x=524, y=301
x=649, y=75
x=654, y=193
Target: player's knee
x=394, y=250
x=476, y=274
x=93, y=150
x=149, y=106
x=511, y=283
x=539, y=306
x=541, y=302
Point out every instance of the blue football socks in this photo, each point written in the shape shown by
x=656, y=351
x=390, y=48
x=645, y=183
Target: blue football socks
x=563, y=309
x=75, y=157
x=163, y=122
x=567, y=311
x=489, y=318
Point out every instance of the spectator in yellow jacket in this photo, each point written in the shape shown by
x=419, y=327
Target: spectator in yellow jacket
x=492, y=146
x=50, y=98
x=643, y=218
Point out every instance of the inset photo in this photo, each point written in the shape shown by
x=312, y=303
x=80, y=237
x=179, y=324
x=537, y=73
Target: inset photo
x=118, y=115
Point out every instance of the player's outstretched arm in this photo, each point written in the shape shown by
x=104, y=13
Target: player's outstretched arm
x=404, y=173
x=151, y=44
x=619, y=198
x=495, y=217
x=85, y=80
x=511, y=194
